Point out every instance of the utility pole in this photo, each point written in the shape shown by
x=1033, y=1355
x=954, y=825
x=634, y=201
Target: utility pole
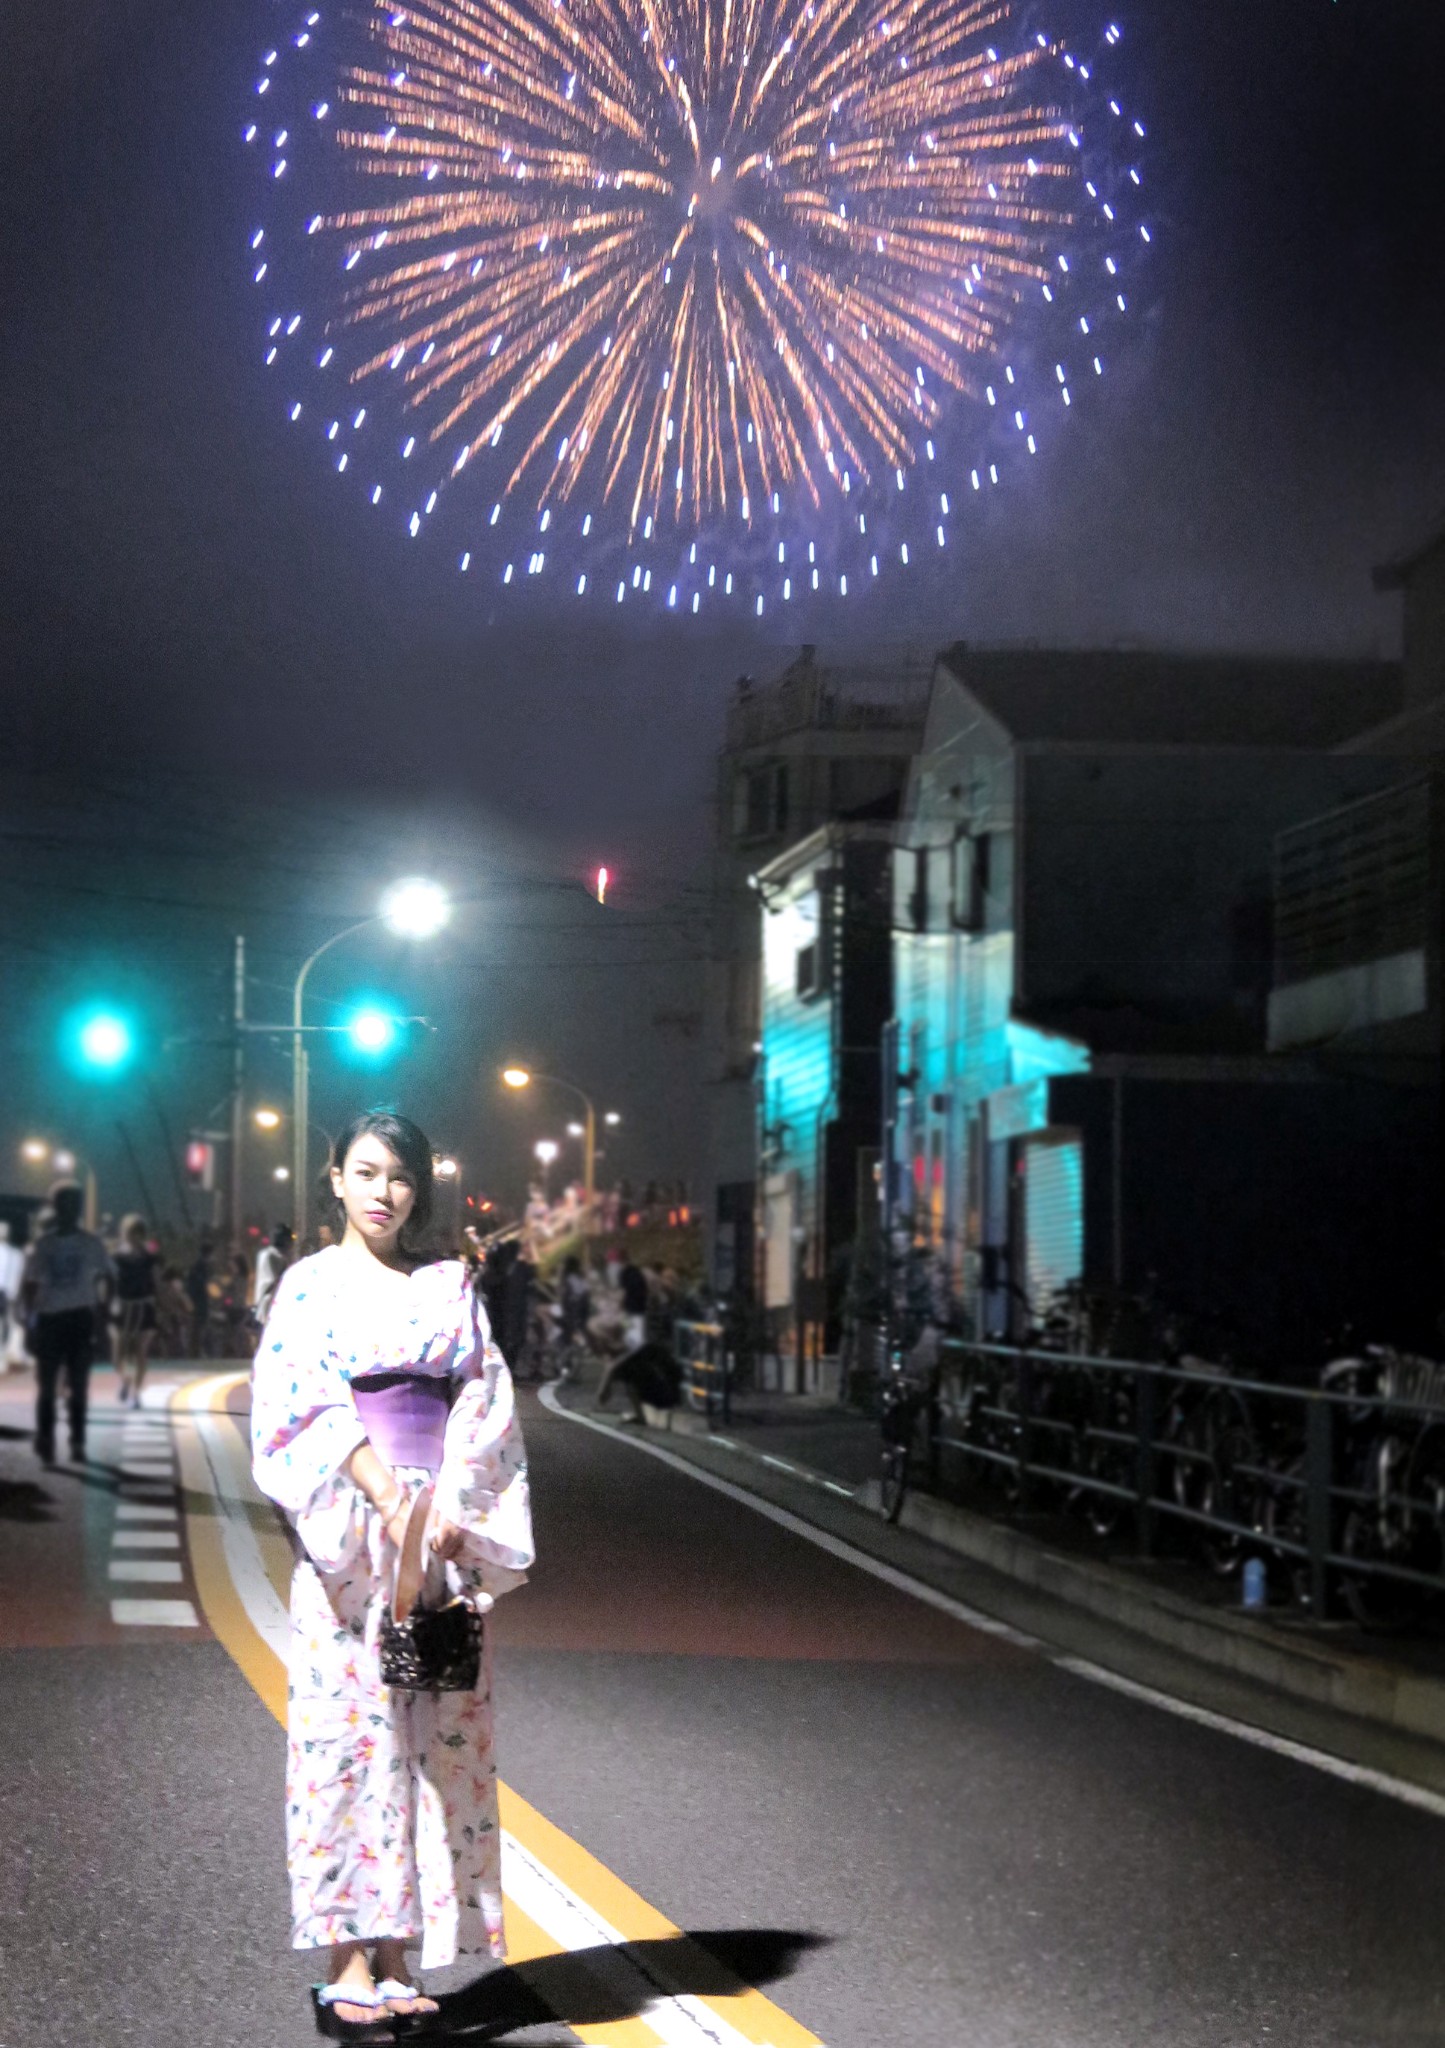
x=238, y=1091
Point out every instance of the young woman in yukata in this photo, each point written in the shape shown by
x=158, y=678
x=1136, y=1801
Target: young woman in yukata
x=376, y=1378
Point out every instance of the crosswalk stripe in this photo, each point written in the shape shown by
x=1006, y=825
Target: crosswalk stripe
x=146, y=1539
x=154, y=1614
x=155, y=1571
x=134, y=1511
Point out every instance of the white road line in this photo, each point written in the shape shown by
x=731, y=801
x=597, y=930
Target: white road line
x=151, y=1571
x=145, y=1539
x=132, y=1511
x=232, y=1489
x=147, y=1468
x=153, y=1614
x=679, y=2020
x=1382, y=1782
x=834, y=1545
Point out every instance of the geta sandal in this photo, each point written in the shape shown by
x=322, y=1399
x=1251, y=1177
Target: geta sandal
x=326, y=1997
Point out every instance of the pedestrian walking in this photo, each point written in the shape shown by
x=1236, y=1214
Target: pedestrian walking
x=198, y=1291
x=575, y=1300
x=271, y=1262
x=633, y=1287
x=134, y=1327
x=383, y=1423
x=12, y=1268
x=68, y=1278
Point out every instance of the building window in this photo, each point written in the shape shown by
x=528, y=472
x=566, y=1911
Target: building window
x=761, y=802
x=970, y=882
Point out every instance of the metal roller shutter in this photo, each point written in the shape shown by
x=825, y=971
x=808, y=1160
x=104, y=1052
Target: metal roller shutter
x=1053, y=1214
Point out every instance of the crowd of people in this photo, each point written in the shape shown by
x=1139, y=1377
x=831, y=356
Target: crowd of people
x=74, y=1298
x=619, y=1317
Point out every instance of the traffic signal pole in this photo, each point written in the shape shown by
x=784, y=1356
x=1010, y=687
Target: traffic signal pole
x=238, y=1093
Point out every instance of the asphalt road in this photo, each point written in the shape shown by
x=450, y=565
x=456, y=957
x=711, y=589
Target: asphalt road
x=912, y=1832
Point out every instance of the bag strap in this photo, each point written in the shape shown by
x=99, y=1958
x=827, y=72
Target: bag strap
x=412, y=1557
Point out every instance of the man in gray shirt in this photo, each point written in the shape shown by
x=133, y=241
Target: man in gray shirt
x=68, y=1277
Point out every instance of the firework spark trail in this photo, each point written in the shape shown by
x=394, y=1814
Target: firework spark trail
x=702, y=252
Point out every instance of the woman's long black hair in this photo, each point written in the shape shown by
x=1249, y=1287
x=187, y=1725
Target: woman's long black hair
x=411, y=1145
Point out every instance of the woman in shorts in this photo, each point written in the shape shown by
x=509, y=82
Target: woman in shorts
x=134, y=1331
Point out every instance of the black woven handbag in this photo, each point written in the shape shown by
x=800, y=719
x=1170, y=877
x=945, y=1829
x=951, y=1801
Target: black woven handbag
x=436, y=1649
x=421, y=1648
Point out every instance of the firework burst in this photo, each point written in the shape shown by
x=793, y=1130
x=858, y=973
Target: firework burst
x=702, y=282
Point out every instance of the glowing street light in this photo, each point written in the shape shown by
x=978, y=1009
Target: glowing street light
x=546, y=1150
x=64, y=1162
x=280, y=1173
x=415, y=909
x=35, y=1151
x=576, y=1130
x=516, y=1077
x=268, y=1119
x=446, y=1169
x=612, y=1119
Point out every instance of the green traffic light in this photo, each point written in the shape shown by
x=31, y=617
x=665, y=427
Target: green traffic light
x=372, y=1032
x=101, y=1041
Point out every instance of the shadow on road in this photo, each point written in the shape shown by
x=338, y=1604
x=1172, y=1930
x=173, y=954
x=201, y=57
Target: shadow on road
x=596, y=1986
x=21, y=1500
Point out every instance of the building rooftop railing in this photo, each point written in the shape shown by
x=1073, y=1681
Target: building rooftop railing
x=811, y=697
x=1354, y=885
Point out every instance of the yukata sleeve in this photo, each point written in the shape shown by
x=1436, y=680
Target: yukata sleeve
x=304, y=1427
x=482, y=1486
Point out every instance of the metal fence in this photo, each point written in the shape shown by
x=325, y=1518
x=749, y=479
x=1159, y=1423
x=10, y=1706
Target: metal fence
x=1339, y=1490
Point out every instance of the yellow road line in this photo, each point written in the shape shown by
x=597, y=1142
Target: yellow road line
x=599, y=1890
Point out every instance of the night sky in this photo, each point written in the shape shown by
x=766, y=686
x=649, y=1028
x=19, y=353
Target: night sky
x=193, y=605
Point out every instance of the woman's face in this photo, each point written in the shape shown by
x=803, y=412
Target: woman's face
x=375, y=1190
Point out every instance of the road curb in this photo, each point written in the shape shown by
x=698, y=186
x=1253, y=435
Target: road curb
x=1310, y=1669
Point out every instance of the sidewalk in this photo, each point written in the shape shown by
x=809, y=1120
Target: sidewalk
x=816, y=1452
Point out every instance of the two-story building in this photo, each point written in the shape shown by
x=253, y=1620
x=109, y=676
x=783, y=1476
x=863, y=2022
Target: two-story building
x=1079, y=1081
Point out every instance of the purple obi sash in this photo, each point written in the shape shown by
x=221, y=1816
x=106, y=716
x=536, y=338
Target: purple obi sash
x=405, y=1416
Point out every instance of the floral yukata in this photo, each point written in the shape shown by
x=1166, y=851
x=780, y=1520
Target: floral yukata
x=391, y=1797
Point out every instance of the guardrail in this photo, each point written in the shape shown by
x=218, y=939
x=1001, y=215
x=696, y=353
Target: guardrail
x=707, y=1369
x=1339, y=1490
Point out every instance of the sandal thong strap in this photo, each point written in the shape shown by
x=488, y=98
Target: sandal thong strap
x=371, y=1997
x=389, y=1988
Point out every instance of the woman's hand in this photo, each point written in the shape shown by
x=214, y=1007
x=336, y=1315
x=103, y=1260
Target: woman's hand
x=446, y=1540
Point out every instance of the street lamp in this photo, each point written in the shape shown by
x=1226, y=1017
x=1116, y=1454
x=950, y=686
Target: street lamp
x=280, y=1173
x=523, y=1077
x=268, y=1119
x=415, y=909
x=35, y=1151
